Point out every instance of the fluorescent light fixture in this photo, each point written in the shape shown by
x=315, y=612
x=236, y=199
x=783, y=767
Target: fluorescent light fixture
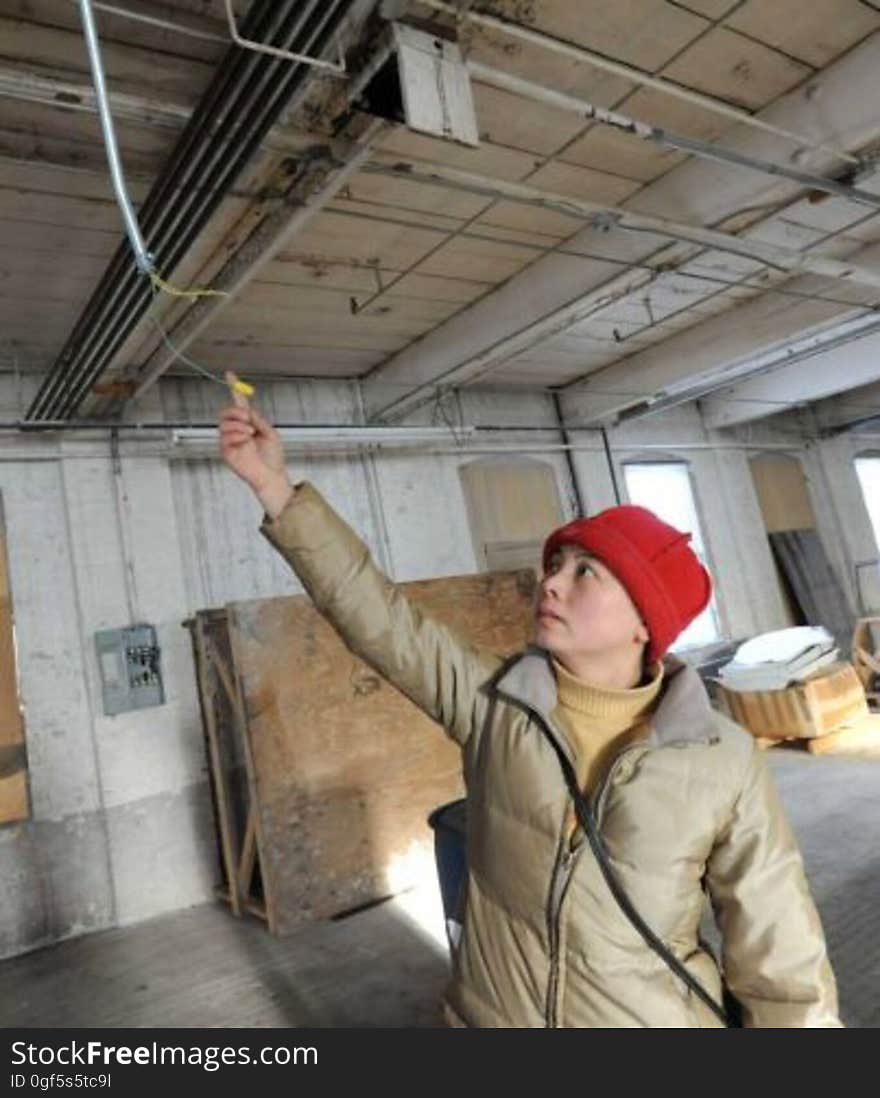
x=200, y=441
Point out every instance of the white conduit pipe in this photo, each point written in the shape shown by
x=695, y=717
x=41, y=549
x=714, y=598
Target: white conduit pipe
x=526, y=89
x=580, y=53
x=142, y=256
x=157, y=21
x=334, y=69
x=607, y=217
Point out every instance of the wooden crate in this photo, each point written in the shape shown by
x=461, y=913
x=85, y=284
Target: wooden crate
x=324, y=774
x=866, y=657
x=861, y=739
x=858, y=740
x=821, y=704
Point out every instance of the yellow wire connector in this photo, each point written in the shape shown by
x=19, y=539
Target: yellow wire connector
x=238, y=386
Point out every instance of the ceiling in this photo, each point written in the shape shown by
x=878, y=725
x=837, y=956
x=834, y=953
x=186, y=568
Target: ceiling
x=411, y=281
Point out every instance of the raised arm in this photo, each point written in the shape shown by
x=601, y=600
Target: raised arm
x=427, y=661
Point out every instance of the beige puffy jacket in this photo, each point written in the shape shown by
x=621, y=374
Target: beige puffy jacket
x=688, y=807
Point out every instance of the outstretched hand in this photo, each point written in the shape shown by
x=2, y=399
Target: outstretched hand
x=253, y=450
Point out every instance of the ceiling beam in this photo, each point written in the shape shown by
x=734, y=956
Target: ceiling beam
x=848, y=411
x=837, y=107
x=147, y=111
x=165, y=17
x=320, y=181
x=603, y=217
x=851, y=361
x=247, y=96
x=706, y=356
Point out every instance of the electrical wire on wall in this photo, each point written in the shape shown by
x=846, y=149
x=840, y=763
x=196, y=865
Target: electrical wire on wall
x=143, y=258
x=611, y=470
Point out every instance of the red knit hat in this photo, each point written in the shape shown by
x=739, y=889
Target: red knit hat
x=661, y=573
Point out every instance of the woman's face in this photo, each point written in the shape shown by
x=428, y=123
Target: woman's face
x=583, y=610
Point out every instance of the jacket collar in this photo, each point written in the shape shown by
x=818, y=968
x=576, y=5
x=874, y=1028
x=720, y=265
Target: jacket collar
x=683, y=714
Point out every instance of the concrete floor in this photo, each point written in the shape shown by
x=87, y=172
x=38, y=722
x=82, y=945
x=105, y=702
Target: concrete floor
x=387, y=966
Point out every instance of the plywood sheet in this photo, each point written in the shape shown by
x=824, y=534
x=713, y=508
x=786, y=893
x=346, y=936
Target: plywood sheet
x=251, y=338
x=815, y=33
x=374, y=243
x=604, y=149
x=510, y=500
x=782, y=493
x=401, y=193
x=532, y=61
x=488, y=260
x=13, y=761
x=645, y=33
x=130, y=67
x=115, y=27
x=584, y=183
x=289, y=360
x=738, y=69
x=343, y=768
x=488, y=159
x=508, y=119
x=549, y=224
x=712, y=9
x=46, y=208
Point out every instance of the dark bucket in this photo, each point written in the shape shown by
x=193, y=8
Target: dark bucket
x=449, y=823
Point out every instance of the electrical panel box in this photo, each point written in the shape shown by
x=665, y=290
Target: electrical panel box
x=130, y=674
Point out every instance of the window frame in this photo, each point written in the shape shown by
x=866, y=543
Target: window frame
x=699, y=543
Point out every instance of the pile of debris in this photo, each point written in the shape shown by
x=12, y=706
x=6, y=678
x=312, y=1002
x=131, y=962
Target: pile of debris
x=773, y=661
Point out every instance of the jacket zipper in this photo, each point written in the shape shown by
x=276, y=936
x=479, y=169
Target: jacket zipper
x=561, y=876
x=563, y=869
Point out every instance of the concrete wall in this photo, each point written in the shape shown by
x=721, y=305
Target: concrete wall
x=122, y=827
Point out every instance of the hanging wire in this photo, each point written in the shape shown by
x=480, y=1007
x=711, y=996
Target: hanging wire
x=143, y=258
x=178, y=354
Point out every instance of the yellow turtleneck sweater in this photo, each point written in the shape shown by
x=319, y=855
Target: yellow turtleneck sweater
x=600, y=720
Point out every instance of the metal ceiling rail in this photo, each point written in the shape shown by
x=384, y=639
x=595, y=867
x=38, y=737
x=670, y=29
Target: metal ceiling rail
x=705, y=150
x=177, y=26
x=629, y=72
x=247, y=95
x=335, y=68
x=607, y=217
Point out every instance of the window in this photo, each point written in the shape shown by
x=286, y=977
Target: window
x=665, y=488
x=868, y=472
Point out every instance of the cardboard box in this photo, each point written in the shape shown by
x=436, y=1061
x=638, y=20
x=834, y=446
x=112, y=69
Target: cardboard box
x=827, y=701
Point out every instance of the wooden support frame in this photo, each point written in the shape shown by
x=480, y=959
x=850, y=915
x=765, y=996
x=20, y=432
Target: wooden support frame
x=866, y=659
x=14, y=794
x=223, y=723
x=323, y=775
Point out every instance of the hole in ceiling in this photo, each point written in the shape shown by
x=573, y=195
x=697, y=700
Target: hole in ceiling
x=382, y=97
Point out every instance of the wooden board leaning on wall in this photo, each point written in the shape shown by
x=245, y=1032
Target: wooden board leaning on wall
x=343, y=770
x=14, y=802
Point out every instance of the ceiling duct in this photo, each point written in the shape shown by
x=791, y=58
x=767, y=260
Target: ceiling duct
x=247, y=95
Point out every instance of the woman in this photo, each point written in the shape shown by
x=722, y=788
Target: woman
x=679, y=801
